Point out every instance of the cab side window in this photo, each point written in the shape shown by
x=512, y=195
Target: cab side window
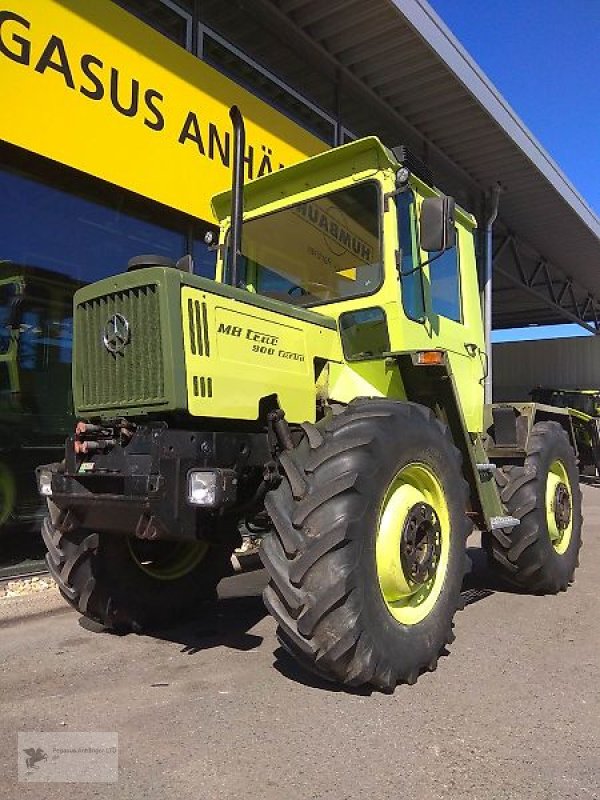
x=411, y=278
x=444, y=277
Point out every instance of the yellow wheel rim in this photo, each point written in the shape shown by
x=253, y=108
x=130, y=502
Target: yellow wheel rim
x=559, y=506
x=169, y=561
x=413, y=544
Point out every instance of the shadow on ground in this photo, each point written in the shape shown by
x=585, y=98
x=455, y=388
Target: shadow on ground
x=223, y=623
x=482, y=582
x=229, y=621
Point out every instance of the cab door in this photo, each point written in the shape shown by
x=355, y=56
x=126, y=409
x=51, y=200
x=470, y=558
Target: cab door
x=454, y=314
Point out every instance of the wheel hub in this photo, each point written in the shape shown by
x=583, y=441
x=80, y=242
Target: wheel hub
x=166, y=560
x=420, y=544
x=562, y=506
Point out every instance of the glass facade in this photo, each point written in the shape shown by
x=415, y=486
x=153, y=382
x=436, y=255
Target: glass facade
x=79, y=237
x=255, y=55
x=276, y=72
x=172, y=19
x=259, y=36
x=60, y=229
x=217, y=52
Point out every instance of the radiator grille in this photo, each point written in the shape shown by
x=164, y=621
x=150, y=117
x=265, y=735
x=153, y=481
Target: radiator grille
x=134, y=376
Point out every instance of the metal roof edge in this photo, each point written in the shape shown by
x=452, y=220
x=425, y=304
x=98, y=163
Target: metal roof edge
x=429, y=26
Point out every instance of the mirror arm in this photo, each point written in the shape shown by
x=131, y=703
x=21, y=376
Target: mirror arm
x=390, y=195
x=433, y=258
x=219, y=249
x=419, y=266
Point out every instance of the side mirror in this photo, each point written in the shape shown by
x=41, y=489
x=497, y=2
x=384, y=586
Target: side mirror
x=436, y=225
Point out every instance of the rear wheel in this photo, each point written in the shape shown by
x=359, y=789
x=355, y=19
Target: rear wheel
x=367, y=558
x=542, y=552
x=130, y=584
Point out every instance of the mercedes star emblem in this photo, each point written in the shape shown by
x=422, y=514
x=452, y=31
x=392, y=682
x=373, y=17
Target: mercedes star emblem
x=116, y=334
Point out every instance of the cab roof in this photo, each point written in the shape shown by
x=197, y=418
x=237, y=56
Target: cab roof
x=360, y=156
x=335, y=164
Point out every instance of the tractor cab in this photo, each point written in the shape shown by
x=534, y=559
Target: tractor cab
x=356, y=236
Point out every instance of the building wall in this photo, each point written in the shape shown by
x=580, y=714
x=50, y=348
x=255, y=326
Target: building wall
x=572, y=363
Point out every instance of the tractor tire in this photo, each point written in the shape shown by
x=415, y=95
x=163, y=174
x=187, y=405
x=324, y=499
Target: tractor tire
x=129, y=585
x=367, y=556
x=540, y=554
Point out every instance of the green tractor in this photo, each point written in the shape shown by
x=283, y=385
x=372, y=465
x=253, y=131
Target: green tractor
x=326, y=387
x=36, y=311
x=583, y=406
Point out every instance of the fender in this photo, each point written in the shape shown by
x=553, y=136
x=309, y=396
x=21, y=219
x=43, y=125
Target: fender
x=433, y=385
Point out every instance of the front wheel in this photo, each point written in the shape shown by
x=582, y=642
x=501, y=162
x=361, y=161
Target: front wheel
x=127, y=584
x=368, y=555
x=540, y=554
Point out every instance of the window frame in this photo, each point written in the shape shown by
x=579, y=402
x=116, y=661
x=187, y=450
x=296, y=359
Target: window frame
x=416, y=252
x=176, y=9
x=204, y=31
x=375, y=356
x=345, y=136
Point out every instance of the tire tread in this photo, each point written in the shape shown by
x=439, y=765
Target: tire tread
x=311, y=569
x=523, y=555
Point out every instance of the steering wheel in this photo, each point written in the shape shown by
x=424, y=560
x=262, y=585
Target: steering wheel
x=307, y=288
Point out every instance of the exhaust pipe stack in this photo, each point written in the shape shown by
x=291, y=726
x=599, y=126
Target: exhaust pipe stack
x=487, y=289
x=237, y=190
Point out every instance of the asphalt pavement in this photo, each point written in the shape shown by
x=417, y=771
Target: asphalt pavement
x=214, y=709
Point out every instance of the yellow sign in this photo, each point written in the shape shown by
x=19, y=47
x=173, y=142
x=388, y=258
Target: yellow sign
x=90, y=86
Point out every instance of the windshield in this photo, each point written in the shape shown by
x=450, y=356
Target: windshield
x=320, y=251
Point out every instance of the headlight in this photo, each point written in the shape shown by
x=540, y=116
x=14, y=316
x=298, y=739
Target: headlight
x=202, y=488
x=45, y=482
x=211, y=488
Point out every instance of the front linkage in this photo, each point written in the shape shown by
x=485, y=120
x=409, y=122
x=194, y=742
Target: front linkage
x=156, y=482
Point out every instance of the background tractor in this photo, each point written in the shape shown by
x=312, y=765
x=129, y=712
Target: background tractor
x=327, y=386
x=584, y=409
x=36, y=310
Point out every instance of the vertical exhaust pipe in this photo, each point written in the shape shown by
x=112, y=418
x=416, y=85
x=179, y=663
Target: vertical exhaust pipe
x=237, y=190
x=487, y=289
